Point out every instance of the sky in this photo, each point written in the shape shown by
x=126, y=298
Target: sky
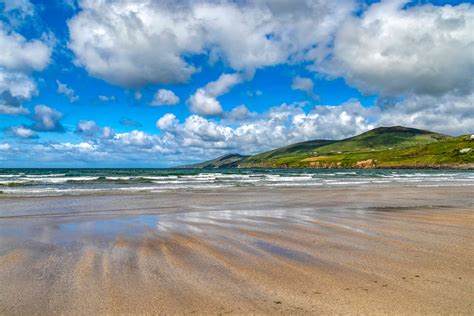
x=143, y=83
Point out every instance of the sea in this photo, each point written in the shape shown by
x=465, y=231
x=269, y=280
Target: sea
x=52, y=182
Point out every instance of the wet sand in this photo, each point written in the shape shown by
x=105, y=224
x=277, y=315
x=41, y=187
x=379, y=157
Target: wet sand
x=388, y=250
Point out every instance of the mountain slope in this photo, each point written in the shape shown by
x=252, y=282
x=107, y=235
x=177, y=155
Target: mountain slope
x=226, y=161
x=291, y=150
x=386, y=137
x=379, y=139
x=383, y=147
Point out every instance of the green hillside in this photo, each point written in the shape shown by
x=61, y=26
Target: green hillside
x=383, y=147
x=226, y=161
x=297, y=149
x=385, y=137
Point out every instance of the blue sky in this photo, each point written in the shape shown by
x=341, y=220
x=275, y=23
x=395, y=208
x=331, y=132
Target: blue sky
x=160, y=83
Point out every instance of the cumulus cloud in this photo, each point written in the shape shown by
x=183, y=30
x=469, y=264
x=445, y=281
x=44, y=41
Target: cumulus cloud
x=389, y=48
x=204, y=100
x=136, y=139
x=89, y=129
x=16, y=11
x=304, y=84
x=67, y=91
x=278, y=126
x=19, y=58
x=166, y=121
x=16, y=85
x=392, y=50
x=164, y=97
x=198, y=138
x=19, y=54
x=451, y=114
x=23, y=132
x=5, y=146
x=239, y=113
x=13, y=110
x=118, y=41
x=46, y=119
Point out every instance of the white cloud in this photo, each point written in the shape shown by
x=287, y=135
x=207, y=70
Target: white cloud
x=166, y=121
x=46, y=119
x=18, y=59
x=451, y=114
x=13, y=110
x=23, y=132
x=204, y=100
x=19, y=54
x=108, y=132
x=164, y=97
x=87, y=128
x=136, y=139
x=84, y=147
x=279, y=126
x=25, y=6
x=239, y=113
x=16, y=85
x=389, y=48
x=131, y=43
x=199, y=138
x=304, y=84
x=67, y=91
x=106, y=98
x=134, y=43
x=424, y=50
x=204, y=104
x=17, y=11
x=5, y=146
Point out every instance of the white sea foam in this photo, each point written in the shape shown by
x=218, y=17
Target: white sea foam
x=139, y=181
x=118, y=178
x=45, y=175
x=59, y=179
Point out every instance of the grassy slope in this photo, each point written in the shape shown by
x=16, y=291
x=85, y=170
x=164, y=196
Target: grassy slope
x=387, y=147
x=297, y=149
x=227, y=161
x=379, y=144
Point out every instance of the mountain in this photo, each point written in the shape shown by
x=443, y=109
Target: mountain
x=226, y=161
x=383, y=147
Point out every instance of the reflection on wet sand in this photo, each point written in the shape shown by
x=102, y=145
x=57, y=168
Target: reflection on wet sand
x=408, y=250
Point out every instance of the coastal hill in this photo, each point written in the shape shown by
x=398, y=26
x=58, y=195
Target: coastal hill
x=226, y=161
x=382, y=147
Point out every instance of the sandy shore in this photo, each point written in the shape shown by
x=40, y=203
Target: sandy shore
x=390, y=250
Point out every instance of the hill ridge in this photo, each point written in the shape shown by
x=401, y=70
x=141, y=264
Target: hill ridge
x=381, y=147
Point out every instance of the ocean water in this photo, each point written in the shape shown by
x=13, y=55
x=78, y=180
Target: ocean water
x=25, y=182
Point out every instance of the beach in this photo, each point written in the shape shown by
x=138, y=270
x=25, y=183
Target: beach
x=384, y=250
